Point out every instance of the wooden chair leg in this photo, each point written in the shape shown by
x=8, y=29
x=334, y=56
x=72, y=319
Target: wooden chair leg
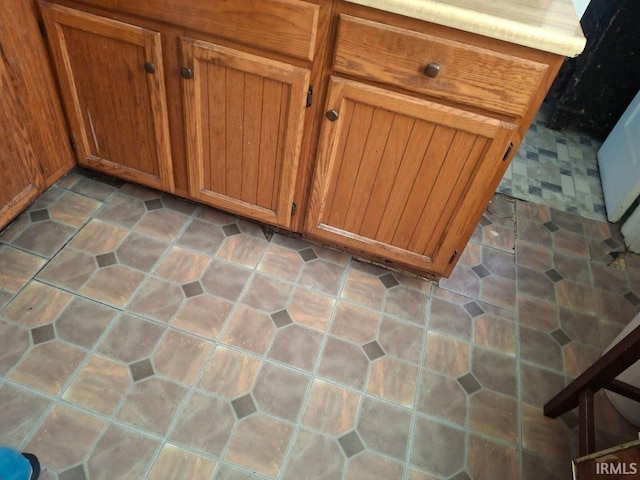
x=587, y=424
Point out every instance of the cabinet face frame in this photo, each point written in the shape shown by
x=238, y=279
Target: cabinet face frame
x=57, y=18
x=458, y=217
x=197, y=55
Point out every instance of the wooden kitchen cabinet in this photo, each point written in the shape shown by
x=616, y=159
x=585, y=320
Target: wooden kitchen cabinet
x=35, y=151
x=244, y=117
x=112, y=83
x=392, y=172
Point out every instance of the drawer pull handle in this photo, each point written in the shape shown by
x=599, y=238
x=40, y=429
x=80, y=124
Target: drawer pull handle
x=333, y=115
x=432, y=70
x=149, y=67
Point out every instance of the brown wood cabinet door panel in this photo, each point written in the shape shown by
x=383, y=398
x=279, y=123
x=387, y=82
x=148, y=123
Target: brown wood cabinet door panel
x=117, y=109
x=392, y=171
x=244, y=128
x=468, y=74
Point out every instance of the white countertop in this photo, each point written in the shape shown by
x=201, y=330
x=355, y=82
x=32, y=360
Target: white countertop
x=549, y=25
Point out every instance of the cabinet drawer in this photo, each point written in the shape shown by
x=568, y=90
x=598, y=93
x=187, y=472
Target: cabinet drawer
x=467, y=74
x=283, y=26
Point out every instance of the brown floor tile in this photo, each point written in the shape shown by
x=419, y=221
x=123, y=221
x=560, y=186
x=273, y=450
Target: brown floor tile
x=393, y=380
x=260, y=444
x=225, y=280
x=536, y=313
x=64, y=438
x=279, y=391
x=501, y=237
x=486, y=459
x=297, y=346
x=311, y=308
x=37, y=304
x=158, y=300
x=203, y=315
x=578, y=357
x=581, y=327
x=20, y=412
x=281, y=262
x=82, y=322
x=544, y=435
x=364, y=289
x=226, y=472
x=182, y=266
x=533, y=256
x=494, y=332
x=175, y=462
x=443, y=397
x=537, y=466
x=499, y=263
x=100, y=385
x=536, y=284
x=540, y=348
x=355, y=324
x=572, y=268
x=446, y=355
x=384, y=428
x=243, y=250
x=131, y=339
x=494, y=371
x=44, y=238
x=575, y=295
x=406, y=304
x=161, y=224
x=5, y=297
x=451, y=318
x=498, y=291
x=72, y=209
x=314, y=456
x=17, y=268
x=570, y=243
x=539, y=385
x=373, y=467
x=534, y=232
x=180, y=356
x=415, y=474
x=98, y=237
x=268, y=294
x=14, y=342
x=401, y=339
x=610, y=306
x=331, y=409
x=120, y=454
x=70, y=269
x=95, y=189
x=229, y=373
x=208, y=436
x=122, y=210
x=48, y=366
x=462, y=280
x=113, y=285
x=152, y=404
x=437, y=448
x=321, y=275
x=494, y=415
x=608, y=278
x=250, y=330
x=343, y=362
x=140, y=252
x=202, y=236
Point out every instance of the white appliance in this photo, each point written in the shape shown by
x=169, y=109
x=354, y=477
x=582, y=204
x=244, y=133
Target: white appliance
x=619, y=162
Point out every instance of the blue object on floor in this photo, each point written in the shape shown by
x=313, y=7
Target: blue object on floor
x=16, y=466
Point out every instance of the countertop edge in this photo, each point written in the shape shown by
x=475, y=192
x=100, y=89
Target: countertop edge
x=484, y=24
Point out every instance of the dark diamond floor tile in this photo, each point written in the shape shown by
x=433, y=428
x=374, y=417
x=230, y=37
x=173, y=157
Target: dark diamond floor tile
x=351, y=444
x=632, y=298
x=42, y=334
x=244, y=406
x=481, y=271
x=308, y=254
x=39, y=215
x=193, y=289
x=74, y=473
x=373, y=350
x=389, y=280
x=552, y=227
x=281, y=318
x=469, y=383
x=106, y=259
x=153, y=204
x=231, y=230
x=560, y=337
x=473, y=308
x=141, y=370
x=553, y=275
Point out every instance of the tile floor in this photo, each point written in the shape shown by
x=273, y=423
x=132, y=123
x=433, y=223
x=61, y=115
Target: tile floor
x=557, y=169
x=142, y=336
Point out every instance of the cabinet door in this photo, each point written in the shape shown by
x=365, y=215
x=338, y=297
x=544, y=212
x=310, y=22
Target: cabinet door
x=244, y=118
x=21, y=181
x=401, y=178
x=112, y=84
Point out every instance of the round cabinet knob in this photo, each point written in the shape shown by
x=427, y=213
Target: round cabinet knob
x=333, y=115
x=432, y=70
x=149, y=67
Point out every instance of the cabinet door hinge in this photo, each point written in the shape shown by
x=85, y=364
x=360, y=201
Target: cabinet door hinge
x=453, y=257
x=506, y=154
x=310, y=96
x=294, y=208
x=73, y=143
